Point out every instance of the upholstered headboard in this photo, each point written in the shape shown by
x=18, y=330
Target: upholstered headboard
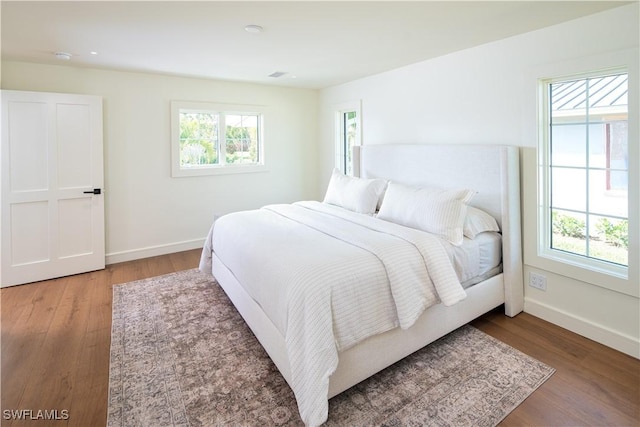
x=491, y=170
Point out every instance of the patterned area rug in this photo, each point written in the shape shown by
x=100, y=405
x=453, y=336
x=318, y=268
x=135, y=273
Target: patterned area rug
x=181, y=355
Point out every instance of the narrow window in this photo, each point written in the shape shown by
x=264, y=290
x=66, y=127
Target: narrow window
x=348, y=135
x=585, y=169
x=350, y=126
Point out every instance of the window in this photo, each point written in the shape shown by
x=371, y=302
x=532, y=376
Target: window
x=347, y=135
x=210, y=139
x=349, y=129
x=584, y=172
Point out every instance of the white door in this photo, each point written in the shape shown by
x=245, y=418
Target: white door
x=52, y=216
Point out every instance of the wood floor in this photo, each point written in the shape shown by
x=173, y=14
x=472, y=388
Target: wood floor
x=56, y=340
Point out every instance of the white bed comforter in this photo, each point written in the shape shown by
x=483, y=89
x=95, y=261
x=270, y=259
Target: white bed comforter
x=329, y=278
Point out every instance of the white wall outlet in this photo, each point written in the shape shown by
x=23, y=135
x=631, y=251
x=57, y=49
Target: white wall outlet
x=538, y=281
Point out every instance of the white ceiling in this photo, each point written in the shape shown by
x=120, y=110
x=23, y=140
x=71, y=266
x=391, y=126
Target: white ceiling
x=321, y=43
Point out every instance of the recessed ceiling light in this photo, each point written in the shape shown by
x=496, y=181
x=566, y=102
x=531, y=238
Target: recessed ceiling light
x=63, y=55
x=253, y=29
x=93, y=52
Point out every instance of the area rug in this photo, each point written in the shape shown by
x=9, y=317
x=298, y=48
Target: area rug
x=181, y=355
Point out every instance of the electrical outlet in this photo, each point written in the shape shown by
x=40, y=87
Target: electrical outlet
x=538, y=281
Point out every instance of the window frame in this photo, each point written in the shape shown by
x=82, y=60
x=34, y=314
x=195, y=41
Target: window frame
x=221, y=110
x=340, y=152
x=599, y=268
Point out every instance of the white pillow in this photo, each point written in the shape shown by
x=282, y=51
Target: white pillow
x=356, y=194
x=478, y=221
x=437, y=211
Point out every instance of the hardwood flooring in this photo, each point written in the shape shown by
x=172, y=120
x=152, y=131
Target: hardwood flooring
x=56, y=339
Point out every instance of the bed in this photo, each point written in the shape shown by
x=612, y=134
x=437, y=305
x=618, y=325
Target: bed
x=332, y=314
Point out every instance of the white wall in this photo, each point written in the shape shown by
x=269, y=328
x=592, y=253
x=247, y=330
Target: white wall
x=488, y=94
x=147, y=211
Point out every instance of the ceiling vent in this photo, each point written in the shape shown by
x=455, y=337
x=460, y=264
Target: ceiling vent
x=63, y=55
x=277, y=74
x=253, y=29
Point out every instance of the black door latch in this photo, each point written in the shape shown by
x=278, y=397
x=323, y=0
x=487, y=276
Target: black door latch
x=94, y=191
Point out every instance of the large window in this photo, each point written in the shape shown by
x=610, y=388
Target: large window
x=585, y=172
x=209, y=139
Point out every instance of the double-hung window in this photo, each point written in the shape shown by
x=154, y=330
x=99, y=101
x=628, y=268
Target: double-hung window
x=216, y=138
x=584, y=172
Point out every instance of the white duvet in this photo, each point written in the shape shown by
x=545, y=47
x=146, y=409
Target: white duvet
x=329, y=278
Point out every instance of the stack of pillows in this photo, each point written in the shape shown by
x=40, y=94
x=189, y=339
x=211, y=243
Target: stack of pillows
x=443, y=212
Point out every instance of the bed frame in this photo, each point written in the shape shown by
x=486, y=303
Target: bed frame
x=491, y=170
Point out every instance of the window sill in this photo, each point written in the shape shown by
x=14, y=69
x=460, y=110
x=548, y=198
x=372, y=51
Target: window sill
x=217, y=170
x=611, y=280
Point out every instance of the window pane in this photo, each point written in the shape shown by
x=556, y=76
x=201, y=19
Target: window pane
x=607, y=92
x=568, y=99
x=598, y=145
x=609, y=239
x=604, y=200
x=618, y=183
x=350, y=132
x=618, y=145
x=198, y=139
x=568, y=232
x=568, y=145
x=241, y=137
x=569, y=189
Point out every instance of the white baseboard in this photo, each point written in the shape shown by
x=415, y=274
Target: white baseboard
x=151, y=251
x=601, y=334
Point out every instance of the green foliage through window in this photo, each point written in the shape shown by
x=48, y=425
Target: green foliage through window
x=608, y=238
x=198, y=139
x=202, y=142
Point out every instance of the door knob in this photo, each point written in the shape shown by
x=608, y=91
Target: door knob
x=94, y=191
